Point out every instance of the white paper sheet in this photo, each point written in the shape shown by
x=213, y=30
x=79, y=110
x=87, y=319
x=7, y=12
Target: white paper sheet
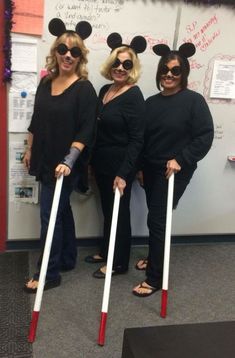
x=223, y=80
x=23, y=81
x=20, y=111
x=22, y=186
x=24, y=54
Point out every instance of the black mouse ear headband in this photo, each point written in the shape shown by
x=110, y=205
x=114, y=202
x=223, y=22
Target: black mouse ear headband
x=186, y=50
x=58, y=28
x=138, y=43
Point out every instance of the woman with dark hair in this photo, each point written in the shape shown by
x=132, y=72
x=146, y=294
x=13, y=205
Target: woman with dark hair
x=179, y=133
x=61, y=134
x=120, y=132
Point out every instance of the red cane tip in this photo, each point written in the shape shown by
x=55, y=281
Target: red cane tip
x=33, y=327
x=164, y=304
x=103, y=321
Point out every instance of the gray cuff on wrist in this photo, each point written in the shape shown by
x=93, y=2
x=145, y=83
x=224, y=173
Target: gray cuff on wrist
x=71, y=158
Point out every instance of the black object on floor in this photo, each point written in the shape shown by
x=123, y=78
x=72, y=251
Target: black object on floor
x=14, y=306
x=200, y=340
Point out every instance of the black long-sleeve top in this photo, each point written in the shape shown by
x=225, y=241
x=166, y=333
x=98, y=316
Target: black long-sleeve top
x=178, y=127
x=120, y=133
x=58, y=121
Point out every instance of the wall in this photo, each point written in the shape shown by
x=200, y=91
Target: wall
x=208, y=205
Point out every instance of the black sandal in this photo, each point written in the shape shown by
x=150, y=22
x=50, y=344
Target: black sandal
x=99, y=274
x=48, y=285
x=146, y=294
x=92, y=260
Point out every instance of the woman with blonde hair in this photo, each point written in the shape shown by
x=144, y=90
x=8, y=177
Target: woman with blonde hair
x=61, y=134
x=120, y=123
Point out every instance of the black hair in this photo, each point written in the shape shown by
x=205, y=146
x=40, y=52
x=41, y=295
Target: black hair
x=185, y=51
x=184, y=65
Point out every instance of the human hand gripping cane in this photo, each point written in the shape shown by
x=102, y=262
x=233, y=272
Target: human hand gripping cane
x=108, y=275
x=45, y=259
x=167, y=246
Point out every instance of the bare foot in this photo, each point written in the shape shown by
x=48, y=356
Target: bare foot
x=145, y=290
x=32, y=284
x=97, y=257
x=93, y=259
x=103, y=269
x=141, y=264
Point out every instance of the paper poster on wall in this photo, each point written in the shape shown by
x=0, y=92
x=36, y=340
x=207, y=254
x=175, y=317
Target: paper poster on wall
x=223, y=80
x=20, y=111
x=23, y=82
x=22, y=186
x=24, y=54
x=28, y=16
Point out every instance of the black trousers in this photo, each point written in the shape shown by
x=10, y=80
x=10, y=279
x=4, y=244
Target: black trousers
x=63, y=253
x=123, y=235
x=156, y=188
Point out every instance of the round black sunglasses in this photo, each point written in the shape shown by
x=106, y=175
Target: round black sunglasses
x=175, y=71
x=127, y=64
x=62, y=49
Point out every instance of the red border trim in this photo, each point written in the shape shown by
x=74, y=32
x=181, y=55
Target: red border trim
x=3, y=140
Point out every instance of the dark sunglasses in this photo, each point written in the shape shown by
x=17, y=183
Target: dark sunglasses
x=62, y=49
x=175, y=71
x=127, y=64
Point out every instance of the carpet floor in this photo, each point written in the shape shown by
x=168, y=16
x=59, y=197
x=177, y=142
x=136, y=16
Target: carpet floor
x=201, y=290
x=14, y=306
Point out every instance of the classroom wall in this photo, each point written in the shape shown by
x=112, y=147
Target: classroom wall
x=208, y=205
x=3, y=140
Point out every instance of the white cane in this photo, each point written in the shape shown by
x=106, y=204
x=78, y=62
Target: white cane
x=167, y=246
x=45, y=259
x=109, y=268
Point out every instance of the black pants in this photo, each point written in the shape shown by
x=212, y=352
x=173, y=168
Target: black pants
x=123, y=236
x=63, y=250
x=156, y=188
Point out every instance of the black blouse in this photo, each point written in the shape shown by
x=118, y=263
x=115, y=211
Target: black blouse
x=120, y=133
x=58, y=121
x=177, y=127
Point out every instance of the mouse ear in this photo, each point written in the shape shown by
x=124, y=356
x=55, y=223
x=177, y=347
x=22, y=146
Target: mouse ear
x=138, y=44
x=56, y=27
x=114, y=40
x=187, y=49
x=83, y=29
x=161, y=50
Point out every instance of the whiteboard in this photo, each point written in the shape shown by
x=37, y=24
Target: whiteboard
x=208, y=205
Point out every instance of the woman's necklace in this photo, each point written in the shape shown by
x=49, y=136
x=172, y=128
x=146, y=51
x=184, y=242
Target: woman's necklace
x=112, y=93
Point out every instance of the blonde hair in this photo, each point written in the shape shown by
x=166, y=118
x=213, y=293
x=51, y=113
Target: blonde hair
x=134, y=72
x=51, y=61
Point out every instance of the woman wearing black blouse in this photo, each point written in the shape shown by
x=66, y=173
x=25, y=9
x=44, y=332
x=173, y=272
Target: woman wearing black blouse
x=179, y=133
x=60, y=134
x=118, y=144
